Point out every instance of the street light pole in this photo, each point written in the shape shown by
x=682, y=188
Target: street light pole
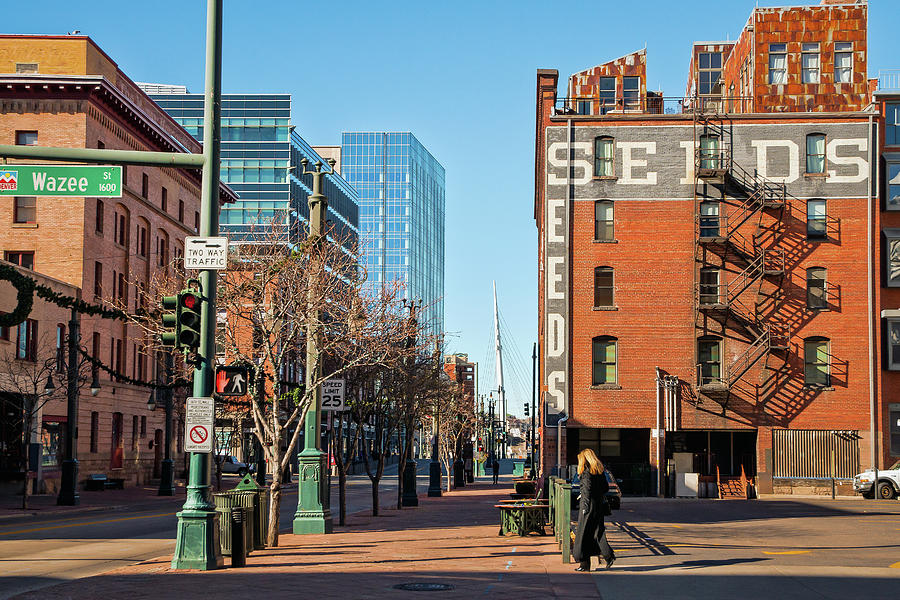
x=533, y=409
x=434, y=469
x=197, y=541
x=68, y=487
x=313, y=513
x=167, y=472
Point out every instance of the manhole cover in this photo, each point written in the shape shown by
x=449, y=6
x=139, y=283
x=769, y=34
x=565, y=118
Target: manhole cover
x=423, y=587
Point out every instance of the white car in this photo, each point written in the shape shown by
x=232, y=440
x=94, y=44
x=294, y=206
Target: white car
x=232, y=465
x=886, y=488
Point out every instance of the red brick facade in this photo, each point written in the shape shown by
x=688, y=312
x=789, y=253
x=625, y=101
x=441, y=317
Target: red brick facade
x=106, y=248
x=764, y=327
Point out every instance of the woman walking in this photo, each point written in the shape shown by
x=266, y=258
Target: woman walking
x=590, y=536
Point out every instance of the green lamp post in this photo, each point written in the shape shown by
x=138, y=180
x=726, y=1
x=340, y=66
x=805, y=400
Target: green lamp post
x=313, y=511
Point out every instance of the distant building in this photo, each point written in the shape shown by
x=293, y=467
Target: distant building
x=402, y=204
x=261, y=154
x=460, y=370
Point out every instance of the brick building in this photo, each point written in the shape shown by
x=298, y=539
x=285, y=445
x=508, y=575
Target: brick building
x=460, y=370
x=64, y=91
x=704, y=301
x=887, y=264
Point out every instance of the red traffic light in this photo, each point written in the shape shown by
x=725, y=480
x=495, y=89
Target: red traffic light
x=190, y=301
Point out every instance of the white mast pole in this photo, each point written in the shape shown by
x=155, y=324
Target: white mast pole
x=501, y=409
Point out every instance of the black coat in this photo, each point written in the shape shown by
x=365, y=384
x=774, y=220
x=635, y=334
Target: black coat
x=590, y=517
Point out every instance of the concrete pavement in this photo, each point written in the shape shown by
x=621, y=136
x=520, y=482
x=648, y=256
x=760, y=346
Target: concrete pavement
x=671, y=549
x=114, y=528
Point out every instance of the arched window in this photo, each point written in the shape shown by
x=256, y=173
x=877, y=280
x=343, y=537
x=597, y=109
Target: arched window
x=603, y=287
x=603, y=221
x=815, y=153
x=816, y=363
x=709, y=359
x=604, y=156
x=604, y=360
x=121, y=223
x=816, y=219
x=816, y=287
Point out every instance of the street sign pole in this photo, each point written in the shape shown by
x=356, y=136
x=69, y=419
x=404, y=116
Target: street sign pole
x=197, y=542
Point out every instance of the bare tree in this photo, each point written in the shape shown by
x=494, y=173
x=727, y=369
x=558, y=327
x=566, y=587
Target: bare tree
x=24, y=373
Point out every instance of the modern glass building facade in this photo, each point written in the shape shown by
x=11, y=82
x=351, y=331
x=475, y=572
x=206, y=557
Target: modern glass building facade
x=401, y=208
x=261, y=156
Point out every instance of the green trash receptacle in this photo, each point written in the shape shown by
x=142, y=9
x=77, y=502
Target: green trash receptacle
x=225, y=503
x=518, y=469
x=260, y=495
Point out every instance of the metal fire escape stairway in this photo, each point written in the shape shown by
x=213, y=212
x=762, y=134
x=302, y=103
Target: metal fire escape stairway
x=726, y=235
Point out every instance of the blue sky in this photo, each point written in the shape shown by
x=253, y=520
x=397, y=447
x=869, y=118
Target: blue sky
x=459, y=75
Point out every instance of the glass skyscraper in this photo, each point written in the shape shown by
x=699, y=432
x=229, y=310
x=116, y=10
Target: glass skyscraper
x=261, y=156
x=401, y=215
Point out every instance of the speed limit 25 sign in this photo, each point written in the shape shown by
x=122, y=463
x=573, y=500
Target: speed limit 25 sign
x=333, y=395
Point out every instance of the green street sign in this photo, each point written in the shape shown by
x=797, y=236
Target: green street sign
x=55, y=180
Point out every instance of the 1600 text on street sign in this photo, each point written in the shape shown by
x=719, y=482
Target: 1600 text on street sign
x=55, y=180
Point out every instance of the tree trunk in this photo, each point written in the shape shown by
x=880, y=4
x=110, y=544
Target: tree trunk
x=275, y=498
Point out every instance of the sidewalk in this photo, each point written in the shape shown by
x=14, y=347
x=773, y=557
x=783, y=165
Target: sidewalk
x=130, y=497
x=449, y=540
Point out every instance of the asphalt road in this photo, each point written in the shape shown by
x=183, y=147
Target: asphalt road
x=775, y=548
x=39, y=551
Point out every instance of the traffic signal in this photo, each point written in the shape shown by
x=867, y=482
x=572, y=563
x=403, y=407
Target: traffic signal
x=526, y=409
x=188, y=329
x=168, y=337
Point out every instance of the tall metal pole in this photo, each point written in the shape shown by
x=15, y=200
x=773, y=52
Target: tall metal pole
x=167, y=472
x=197, y=542
x=313, y=513
x=501, y=398
x=533, y=408
x=68, y=488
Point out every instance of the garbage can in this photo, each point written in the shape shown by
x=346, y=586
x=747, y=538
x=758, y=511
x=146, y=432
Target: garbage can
x=260, y=509
x=225, y=503
x=518, y=469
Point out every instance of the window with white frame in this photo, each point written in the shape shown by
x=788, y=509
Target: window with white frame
x=809, y=63
x=777, y=63
x=607, y=94
x=815, y=153
x=604, y=156
x=843, y=62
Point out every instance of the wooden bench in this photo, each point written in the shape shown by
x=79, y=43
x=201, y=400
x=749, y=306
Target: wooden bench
x=522, y=518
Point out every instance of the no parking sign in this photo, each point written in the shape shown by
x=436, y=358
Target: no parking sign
x=199, y=423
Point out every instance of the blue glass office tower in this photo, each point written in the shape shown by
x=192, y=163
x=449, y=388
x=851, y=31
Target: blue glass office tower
x=261, y=156
x=401, y=222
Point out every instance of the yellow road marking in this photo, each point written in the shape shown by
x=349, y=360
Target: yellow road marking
x=896, y=565
x=789, y=552
x=85, y=523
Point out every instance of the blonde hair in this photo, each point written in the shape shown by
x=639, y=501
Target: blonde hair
x=587, y=458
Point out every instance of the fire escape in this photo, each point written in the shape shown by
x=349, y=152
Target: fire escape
x=738, y=226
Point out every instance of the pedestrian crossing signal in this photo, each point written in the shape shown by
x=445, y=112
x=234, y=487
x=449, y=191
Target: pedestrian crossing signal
x=231, y=380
